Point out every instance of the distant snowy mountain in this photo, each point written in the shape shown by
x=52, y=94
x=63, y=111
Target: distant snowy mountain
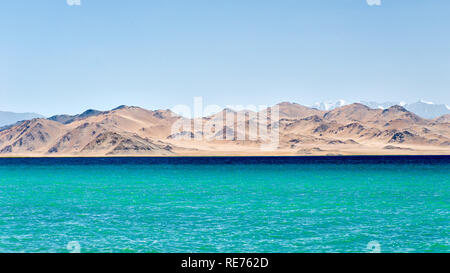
x=383, y=105
x=8, y=118
x=422, y=108
x=428, y=109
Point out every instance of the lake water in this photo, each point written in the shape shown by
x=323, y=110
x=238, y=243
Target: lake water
x=224, y=204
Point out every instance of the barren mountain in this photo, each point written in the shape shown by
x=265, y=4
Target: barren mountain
x=298, y=130
x=123, y=131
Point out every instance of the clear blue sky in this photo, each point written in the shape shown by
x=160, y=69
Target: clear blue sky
x=56, y=58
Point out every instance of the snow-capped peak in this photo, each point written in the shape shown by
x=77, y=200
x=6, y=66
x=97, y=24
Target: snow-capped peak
x=423, y=108
x=426, y=102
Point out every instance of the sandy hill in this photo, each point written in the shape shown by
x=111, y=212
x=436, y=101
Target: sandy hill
x=296, y=111
x=134, y=131
x=123, y=131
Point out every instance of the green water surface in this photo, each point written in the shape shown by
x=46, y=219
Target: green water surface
x=224, y=208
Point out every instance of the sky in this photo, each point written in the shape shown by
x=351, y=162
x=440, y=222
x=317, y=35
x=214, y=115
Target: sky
x=58, y=58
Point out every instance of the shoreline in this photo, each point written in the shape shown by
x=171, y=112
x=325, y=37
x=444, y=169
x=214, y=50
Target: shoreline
x=227, y=156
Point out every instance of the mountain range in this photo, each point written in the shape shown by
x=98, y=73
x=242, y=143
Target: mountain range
x=133, y=131
x=8, y=118
x=422, y=108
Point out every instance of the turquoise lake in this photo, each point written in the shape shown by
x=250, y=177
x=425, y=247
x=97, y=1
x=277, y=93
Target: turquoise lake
x=301, y=204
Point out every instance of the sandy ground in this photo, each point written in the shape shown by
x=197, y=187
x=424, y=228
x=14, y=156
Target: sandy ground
x=253, y=151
